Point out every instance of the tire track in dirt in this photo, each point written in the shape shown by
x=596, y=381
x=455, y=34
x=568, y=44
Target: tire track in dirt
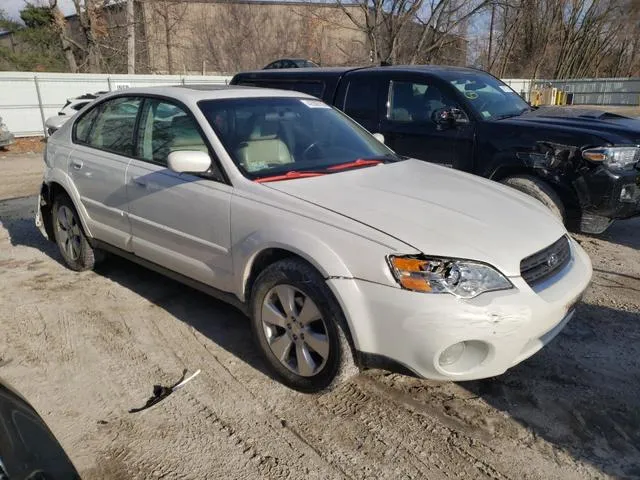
x=87, y=347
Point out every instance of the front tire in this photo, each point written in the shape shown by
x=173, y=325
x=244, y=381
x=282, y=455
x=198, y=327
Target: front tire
x=74, y=247
x=540, y=190
x=300, y=328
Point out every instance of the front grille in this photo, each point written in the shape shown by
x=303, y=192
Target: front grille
x=541, y=265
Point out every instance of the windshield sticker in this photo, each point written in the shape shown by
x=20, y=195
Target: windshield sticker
x=506, y=88
x=471, y=95
x=315, y=104
x=486, y=114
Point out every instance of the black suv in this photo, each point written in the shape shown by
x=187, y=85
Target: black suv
x=584, y=165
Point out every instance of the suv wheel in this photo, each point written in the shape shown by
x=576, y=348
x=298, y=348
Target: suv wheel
x=300, y=328
x=539, y=190
x=76, y=251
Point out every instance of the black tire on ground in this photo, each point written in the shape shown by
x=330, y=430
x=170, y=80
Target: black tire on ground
x=540, y=190
x=297, y=276
x=72, y=242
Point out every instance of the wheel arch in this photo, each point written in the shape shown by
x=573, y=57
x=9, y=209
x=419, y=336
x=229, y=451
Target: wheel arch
x=57, y=185
x=314, y=252
x=271, y=255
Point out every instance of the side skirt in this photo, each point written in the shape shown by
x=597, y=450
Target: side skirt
x=226, y=297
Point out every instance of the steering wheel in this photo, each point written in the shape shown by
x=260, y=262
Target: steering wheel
x=310, y=148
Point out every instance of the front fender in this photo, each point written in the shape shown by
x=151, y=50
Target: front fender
x=309, y=247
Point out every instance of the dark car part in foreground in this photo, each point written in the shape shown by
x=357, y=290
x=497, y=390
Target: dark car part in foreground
x=584, y=165
x=28, y=449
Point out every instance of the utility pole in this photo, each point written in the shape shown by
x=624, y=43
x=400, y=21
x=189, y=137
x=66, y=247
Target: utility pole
x=131, y=39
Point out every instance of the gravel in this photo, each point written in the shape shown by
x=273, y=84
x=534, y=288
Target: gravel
x=85, y=348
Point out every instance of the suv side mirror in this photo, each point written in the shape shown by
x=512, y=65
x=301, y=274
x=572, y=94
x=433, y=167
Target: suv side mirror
x=189, y=161
x=449, y=117
x=379, y=137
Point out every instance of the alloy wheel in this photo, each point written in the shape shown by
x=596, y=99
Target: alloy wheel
x=295, y=330
x=69, y=234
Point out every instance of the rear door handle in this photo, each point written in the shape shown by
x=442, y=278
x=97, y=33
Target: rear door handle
x=77, y=164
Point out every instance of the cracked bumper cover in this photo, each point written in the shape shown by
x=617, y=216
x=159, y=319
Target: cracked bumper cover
x=413, y=329
x=605, y=197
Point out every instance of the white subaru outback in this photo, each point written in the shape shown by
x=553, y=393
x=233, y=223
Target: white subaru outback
x=342, y=253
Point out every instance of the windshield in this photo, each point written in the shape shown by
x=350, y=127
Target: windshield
x=275, y=136
x=488, y=96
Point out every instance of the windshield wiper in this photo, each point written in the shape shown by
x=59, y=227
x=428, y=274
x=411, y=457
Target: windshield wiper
x=287, y=176
x=511, y=115
x=361, y=162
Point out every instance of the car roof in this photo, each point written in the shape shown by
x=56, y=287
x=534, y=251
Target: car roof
x=197, y=92
x=333, y=71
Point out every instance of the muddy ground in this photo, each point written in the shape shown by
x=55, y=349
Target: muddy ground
x=85, y=348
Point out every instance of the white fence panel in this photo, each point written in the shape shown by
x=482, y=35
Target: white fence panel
x=27, y=97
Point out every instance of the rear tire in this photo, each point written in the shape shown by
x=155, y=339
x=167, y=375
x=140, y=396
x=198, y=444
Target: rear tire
x=299, y=326
x=74, y=247
x=540, y=190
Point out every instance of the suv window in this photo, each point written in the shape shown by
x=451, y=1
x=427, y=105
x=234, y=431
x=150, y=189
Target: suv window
x=314, y=88
x=415, y=102
x=84, y=124
x=113, y=128
x=361, y=99
x=165, y=128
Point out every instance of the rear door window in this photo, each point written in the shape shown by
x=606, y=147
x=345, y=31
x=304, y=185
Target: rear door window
x=113, y=129
x=361, y=101
x=84, y=124
x=314, y=88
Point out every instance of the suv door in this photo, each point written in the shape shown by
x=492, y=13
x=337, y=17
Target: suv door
x=359, y=97
x=104, y=138
x=178, y=221
x=409, y=125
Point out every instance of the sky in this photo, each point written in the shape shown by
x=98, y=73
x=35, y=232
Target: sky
x=13, y=7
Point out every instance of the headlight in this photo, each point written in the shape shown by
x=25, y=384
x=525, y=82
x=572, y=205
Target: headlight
x=462, y=278
x=616, y=158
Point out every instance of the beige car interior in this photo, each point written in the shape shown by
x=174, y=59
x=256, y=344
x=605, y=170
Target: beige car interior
x=263, y=147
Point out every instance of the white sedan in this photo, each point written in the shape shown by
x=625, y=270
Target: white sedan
x=343, y=254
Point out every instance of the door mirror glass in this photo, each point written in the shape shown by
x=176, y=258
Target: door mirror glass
x=449, y=117
x=189, y=161
x=379, y=137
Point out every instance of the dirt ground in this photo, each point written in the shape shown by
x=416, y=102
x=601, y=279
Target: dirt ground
x=24, y=145
x=85, y=348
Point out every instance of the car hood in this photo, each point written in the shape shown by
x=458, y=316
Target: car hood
x=613, y=127
x=436, y=210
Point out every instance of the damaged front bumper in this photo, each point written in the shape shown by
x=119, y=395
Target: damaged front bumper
x=442, y=337
x=607, y=196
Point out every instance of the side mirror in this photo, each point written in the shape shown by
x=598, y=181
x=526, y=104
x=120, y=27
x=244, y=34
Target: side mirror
x=53, y=124
x=449, y=117
x=379, y=137
x=189, y=161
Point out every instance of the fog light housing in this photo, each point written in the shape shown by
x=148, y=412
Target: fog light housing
x=452, y=354
x=630, y=193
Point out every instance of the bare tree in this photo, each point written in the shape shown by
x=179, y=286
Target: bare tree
x=565, y=38
x=411, y=31
x=60, y=26
x=170, y=14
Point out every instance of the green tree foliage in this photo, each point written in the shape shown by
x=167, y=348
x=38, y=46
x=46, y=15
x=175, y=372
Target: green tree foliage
x=34, y=46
